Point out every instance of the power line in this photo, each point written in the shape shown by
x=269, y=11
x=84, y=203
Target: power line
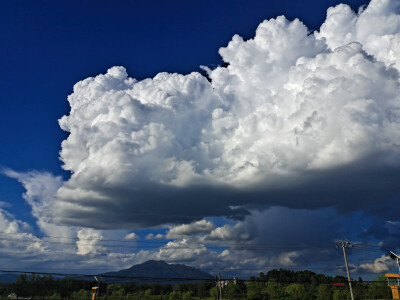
x=71, y=238
x=216, y=268
x=180, y=246
x=242, y=246
x=206, y=242
x=369, y=250
x=149, y=278
x=209, y=243
x=367, y=244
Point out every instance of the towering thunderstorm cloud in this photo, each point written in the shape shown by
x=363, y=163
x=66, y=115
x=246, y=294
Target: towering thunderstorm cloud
x=296, y=119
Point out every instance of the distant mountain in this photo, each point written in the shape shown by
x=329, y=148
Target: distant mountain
x=154, y=271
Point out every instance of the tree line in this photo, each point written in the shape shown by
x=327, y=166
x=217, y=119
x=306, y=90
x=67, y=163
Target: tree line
x=275, y=284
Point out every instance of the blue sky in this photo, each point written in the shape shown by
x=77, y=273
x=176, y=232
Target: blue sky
x=293, y=129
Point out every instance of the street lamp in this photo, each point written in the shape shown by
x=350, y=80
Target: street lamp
x=95, y=289
x=396, y=258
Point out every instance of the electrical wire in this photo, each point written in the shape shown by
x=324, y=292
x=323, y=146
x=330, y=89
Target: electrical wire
x=362, y=247
x=177, y=246
x=206, y=242
x=146, y=278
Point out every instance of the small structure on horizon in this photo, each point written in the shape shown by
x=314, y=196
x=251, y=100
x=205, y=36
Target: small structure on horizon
x=393, y=283
x=95, y=290
x=394, y=279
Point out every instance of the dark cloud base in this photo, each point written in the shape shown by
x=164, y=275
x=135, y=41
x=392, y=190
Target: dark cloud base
x=366, y=185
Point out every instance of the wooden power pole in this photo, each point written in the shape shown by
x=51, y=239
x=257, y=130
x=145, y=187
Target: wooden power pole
x=344, y=245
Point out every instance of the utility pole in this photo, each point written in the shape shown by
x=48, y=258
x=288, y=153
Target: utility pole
x=344, y=244
x=216, y=286
x=220, y=285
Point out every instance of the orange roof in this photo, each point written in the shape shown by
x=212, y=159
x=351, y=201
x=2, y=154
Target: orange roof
x=392, y=275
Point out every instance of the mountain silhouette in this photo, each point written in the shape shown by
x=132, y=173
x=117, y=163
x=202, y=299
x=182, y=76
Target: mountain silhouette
x=158, y=271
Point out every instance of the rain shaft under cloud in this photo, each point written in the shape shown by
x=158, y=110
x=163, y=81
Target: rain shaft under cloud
x=296, y=119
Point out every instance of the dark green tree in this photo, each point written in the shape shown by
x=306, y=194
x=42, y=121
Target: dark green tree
x=379, y=289
x=234, y=290
x=341, y=294
x=22, y=286
x=296, y=291
x=274, y=290
x=324, y=292
x=202, y=288
x=254, y=290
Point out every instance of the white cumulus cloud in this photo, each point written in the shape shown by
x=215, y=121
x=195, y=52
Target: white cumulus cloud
x=194, y=228
x=131, y=236
x=89, y=240
x=295, y=119
x=379, y=265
